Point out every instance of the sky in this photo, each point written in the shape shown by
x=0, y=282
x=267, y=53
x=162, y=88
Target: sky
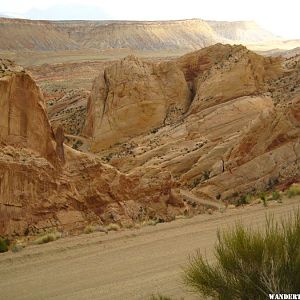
x=281, y=17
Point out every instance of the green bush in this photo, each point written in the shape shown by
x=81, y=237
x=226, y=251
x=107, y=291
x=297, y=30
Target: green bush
x=89, y=229
x=294, y=190
x=263, y=198
x=3, y=245
x=206, y=174
x=276, y=195
x=47, y=238
x=113, y=227
x=244, y=199
x=250, y=264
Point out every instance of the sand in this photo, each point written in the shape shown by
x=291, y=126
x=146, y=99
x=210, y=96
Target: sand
x=129, y=264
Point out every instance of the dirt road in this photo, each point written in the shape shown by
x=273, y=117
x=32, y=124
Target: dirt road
x=129, y=264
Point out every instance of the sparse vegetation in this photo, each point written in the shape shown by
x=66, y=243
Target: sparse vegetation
x=218, y=196
x=3, y=245
x=263, y=198
x=195, y=182
x=180, y=217
x=17, y=247
x=108, y=157
x=154, y=130
x=244, y=199
x=250, y=264
x=46, y=238
x=206, y=174
x=89, y=229
x=151, y=222
x=293, y=190
x=159, y=297
x=272, y=182
x=276, y=195
x=113, y=227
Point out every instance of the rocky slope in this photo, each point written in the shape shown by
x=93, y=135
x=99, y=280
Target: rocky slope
x=216, y=147
x=133, y=96
x=45, y=184
x=17, y=34
x=66, y=88
x=180, y=135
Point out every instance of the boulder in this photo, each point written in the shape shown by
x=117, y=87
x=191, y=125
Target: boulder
x=132, y=97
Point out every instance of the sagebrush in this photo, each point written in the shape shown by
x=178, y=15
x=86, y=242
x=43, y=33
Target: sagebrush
x=250, y=264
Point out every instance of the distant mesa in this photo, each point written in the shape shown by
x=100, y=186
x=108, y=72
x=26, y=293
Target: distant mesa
x=188, y=35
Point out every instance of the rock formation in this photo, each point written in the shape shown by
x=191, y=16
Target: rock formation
x=239, y=134
x=133, y=96
x=267, y=152
x=23, y=120
x=179, y=135
x=45, y=184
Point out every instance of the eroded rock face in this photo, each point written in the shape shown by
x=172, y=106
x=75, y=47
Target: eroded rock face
x=235, y=138
x=236, y=141
x=132, y=97
x=24, y=122
x=36, y=196
x=267, y=153
x=222, y=72
x=45, y=184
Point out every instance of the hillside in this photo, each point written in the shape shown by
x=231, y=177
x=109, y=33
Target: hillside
x=157, y=138
x=19, y=34
x=200, y=117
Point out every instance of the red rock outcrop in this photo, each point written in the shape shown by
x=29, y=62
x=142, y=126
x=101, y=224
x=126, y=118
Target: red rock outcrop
x=131, y=97
x=268, y=152
x=222, y=72
x=44, y=184
x=24, y=122
x=234, y=138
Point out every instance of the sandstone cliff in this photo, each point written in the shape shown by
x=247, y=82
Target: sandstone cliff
x=23, y=119
x=45, y=184
x=132, y=97
x=221, y=122
x=239, y=134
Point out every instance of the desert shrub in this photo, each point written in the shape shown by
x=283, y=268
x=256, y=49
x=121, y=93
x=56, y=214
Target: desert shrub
x=195, y=182
x=218, y=196
x=206, y=174
x=3, y=245
x=151, y=222
x=244, y=199
x=293, y=190
x=154, y=130
x=47, y=238
x=89, y=229
x=272, y=182
x=16, y=247
x=159, y=297
x=113, y=227
x=276, y=195
x=263, y=198
x=250, y=264
x=179, y=217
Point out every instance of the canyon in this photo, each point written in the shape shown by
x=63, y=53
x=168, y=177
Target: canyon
x=132, y=143
x=153, y=139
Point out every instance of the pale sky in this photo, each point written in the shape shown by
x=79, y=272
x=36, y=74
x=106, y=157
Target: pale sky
x=281, y=17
